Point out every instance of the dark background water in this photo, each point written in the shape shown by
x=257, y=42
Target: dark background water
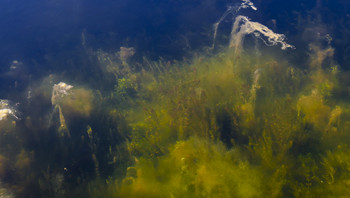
x=46, y=35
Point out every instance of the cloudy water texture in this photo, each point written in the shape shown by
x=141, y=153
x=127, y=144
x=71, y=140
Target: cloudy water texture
x=174, y=98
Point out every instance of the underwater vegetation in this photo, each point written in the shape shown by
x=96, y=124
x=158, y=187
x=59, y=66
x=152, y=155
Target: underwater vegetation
x=242, y=122
x=237, y=125
x=222, y=127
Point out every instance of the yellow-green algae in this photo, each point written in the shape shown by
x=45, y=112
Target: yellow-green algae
x=236, y=126
x=228, y=125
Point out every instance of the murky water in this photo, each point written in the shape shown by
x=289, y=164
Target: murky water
x=210, y=98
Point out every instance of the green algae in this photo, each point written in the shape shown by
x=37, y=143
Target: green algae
x=224, y=125
x=228, y=126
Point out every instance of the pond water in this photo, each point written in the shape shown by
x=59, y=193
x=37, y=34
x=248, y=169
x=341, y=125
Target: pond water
x=174, y=98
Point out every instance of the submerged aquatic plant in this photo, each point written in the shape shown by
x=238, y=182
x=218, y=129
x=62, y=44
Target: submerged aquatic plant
x=194, y=168
x=7, y=110
x=233, y=10
x=59, y=91
x=125, y=54
x=4, y=113
x=243, y=26
x=6, y=193
x=219, y=126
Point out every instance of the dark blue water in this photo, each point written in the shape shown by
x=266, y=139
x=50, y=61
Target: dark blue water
x=32, y=30
x=47, y=35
